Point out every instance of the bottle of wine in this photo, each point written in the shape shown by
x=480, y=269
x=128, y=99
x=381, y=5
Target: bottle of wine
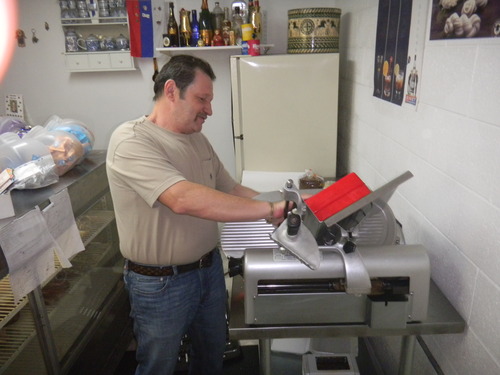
x=218, y=17
x=226, y=28
x=171, y=38
x=195, y=29
x=185, y=29
x=206, y=31
x=256, y=20
x=237, y=22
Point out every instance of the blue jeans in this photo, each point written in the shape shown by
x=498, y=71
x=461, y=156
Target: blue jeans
x=166, y=308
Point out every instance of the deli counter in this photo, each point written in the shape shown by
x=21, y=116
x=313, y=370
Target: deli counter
x=77, y=321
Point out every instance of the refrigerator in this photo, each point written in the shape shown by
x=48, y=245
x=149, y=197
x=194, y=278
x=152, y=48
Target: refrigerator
x=284, y=110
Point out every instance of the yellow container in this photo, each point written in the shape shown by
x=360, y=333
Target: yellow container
x=313, y=30
x=246, y=31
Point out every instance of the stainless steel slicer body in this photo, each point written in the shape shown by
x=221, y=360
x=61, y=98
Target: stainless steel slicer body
x=353, y=267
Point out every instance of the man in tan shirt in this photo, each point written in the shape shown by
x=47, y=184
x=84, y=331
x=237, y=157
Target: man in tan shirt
x=169, y=190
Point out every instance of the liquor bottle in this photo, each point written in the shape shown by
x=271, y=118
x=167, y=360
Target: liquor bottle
x=237, y=22
x=226, y=28
x=206, y=31
x=250, y=10
x=256, y=20
x=413, y=79
x=155, y=68
x=195, y=29
x=185, y=29
x=171, y=39
x=243, y=9
x=217, y=39
x=218, y=17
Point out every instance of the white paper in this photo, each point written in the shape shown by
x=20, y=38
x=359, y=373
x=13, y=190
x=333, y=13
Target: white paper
x=62, y=226
x=29, y=249
x=6, y=206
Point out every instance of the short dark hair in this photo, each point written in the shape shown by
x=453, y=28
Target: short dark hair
x=182, y=69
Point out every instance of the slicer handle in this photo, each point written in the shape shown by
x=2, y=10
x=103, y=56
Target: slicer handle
x=293, y=224
x=349, y=247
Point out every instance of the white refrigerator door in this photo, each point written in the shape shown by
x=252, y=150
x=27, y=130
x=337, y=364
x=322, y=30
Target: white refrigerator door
x=285, y=112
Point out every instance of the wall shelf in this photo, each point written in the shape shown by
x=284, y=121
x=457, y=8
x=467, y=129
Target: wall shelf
x=102, y=60
x=102, y=21
x=174, y=50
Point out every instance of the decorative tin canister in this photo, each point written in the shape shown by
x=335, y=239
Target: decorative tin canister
x=313, y=30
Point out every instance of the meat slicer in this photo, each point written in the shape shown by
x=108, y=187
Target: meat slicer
x=352, y=267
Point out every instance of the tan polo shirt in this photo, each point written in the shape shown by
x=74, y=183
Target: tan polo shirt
x=144, y=160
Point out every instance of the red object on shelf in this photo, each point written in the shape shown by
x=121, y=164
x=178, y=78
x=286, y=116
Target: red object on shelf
x=338, y=196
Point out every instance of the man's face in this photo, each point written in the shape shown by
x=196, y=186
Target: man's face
x=195, y=106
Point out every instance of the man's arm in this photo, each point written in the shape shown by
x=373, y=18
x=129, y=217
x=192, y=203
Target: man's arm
x=188, y=198
x=243, y=191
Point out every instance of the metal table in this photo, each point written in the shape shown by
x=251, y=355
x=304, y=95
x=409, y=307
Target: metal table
x=442, y=319
x=86, y=182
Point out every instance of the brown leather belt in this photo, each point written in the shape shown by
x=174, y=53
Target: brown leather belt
x=204, y=262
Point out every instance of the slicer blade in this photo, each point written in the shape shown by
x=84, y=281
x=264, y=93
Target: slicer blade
x=303, y=245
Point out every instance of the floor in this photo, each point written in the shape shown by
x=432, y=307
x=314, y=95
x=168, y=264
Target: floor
x=247, y=363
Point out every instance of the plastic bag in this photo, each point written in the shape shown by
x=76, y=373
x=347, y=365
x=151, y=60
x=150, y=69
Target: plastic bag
x=66, y=150
x=13, y=125
x=81, y=132
x=15, y=151
x=35, y=174
x=311, y=180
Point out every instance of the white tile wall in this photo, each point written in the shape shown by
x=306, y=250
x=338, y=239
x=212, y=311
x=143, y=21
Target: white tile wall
x=451, y=143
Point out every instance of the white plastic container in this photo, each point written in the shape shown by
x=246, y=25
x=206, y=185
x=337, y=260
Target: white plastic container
x=15, y=151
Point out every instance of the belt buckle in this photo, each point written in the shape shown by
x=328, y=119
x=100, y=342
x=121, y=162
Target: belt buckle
x=203, y=261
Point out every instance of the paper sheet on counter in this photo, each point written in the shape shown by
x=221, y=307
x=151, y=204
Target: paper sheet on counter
x=6, y=206
x=29, y=249
x=61, y=223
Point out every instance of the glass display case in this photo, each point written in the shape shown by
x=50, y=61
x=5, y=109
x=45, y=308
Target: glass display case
x=59, y=327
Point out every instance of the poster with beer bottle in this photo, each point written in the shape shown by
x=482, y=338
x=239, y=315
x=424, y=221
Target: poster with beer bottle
x=391, y=49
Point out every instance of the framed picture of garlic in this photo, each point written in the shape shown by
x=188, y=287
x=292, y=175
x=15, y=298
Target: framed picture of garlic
x=455, y=19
